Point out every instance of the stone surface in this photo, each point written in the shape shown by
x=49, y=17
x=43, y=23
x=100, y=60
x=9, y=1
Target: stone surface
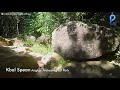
x=43, y=39
x=36, y=56
x=78, y=41
x=5, y=42
x=31, y=38
x=9, y=59
x=50, y=57
x=17, y=42
x=20, y=50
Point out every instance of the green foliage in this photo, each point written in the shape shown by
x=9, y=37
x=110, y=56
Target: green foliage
x=40, y=48
x=46, y=22
x=117, y=55
x=37, y=23
x=28, y=43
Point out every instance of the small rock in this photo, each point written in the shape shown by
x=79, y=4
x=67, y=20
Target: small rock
x=53, y=57
x=43, y=39
x=17, y=43
x=31, y=38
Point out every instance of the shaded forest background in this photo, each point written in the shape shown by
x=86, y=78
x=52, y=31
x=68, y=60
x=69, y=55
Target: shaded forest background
x=13, y=24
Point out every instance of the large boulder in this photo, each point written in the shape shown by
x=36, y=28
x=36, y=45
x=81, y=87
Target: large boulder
x=78, y=41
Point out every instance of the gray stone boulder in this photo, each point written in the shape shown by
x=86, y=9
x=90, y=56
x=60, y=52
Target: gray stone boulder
x=78, y=41
x=31, y=38
x=44, y=39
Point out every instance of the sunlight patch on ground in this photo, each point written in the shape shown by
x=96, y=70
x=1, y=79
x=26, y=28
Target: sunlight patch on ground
x=43, y=49
x=107, y=66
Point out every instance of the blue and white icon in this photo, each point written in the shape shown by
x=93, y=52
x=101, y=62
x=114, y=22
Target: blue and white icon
x=112, y=19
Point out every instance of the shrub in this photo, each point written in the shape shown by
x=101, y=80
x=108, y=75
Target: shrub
x=28, y=43
x=117, y=56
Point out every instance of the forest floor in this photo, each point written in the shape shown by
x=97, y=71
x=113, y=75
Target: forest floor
x=104, y=68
